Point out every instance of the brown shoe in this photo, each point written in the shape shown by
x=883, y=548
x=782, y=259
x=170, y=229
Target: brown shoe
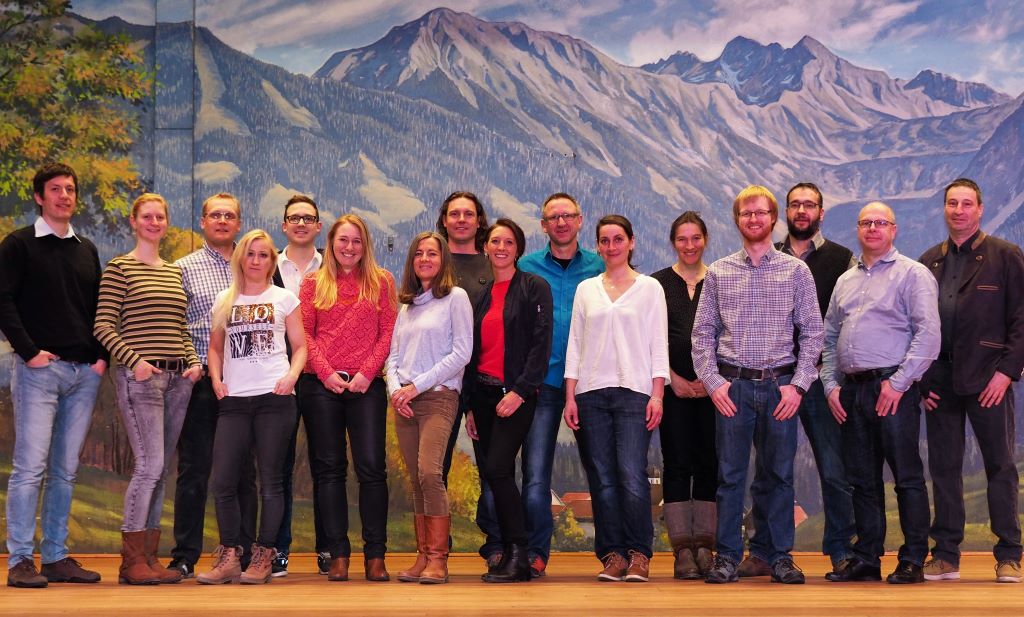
x=24, y=574
x=614, y=568
x=134, y=570
x=412, y=575
x=639, y=569
x=260, y=566
x=685, y=566
x=227, y=566
x=166, y=576
x=436, y=570
x=375, y=570
x=68, y=570
x=753, y=566
x=705, y=561
x=339, y=569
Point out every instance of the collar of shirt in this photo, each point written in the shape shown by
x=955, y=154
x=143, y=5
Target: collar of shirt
x=43, y=229
x=551, y=256
x=311, y=266
x=213, y=254
x=816, y=241
x=967, y=245
x=766, y=259
x=887, y=258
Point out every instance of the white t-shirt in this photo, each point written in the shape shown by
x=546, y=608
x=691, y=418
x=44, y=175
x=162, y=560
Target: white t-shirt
x=255, y=356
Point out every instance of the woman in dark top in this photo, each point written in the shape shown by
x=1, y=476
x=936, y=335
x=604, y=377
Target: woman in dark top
x=511, y=345
x=688, y=426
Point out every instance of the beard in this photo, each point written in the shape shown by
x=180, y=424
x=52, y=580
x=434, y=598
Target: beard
x=804, y=234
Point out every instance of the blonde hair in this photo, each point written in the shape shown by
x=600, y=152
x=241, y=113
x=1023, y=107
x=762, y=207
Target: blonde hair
x=141, y=199
x=751, y=192
x=227, y=196
x=372, y=280
x=222, y=309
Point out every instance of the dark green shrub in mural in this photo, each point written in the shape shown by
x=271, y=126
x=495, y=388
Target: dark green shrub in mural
x=67, y=92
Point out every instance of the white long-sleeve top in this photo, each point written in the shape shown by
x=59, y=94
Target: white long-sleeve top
x=432, y=342
x=621, y=344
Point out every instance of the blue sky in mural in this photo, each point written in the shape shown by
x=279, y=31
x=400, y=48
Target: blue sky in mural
x=972, y=40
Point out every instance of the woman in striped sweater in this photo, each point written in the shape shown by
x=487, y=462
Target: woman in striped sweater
x=140, y=318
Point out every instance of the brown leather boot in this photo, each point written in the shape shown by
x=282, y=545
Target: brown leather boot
x=412, y=575
x=705, y=524
x=134, y=569
x=679, y=522
x=436, y=570
x=375, y=570
x=260, y=566
x=339, y=569
x=152, y=539
x=227, y=567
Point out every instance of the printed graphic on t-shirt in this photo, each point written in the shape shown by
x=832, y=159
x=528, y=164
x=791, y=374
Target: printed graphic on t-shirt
x=251, y=331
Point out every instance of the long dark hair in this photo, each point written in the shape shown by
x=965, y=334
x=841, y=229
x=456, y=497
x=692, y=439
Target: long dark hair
x=621, y=221
x=687, y=217
x=443, y=281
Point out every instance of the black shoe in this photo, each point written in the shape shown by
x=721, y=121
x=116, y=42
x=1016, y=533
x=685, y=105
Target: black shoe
x=279, y=566
x=323, y=562
x=855, y=570
x=495, y=561
x=514, y=567
x=906, y=574
x=188, y=570
x=723, y=570
x=785, y=571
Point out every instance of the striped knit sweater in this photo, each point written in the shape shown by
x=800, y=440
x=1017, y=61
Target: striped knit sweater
x=141, y=313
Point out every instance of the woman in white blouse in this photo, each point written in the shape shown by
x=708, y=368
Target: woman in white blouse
x=615, y=371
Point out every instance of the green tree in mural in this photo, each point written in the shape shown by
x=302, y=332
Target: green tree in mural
x=67, y=92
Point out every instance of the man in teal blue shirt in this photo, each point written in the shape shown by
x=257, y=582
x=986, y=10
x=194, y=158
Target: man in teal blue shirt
x=563, y=264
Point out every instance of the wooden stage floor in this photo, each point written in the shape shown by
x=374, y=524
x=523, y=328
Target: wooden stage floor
x=570, y=587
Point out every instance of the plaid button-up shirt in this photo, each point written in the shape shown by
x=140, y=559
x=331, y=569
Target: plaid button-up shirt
x=750, y=316
x=204, y=274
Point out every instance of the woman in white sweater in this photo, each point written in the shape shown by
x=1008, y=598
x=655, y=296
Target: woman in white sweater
x=430, y=347
x=615, y=371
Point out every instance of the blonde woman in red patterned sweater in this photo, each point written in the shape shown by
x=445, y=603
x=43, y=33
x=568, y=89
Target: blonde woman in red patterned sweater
x=348, y=311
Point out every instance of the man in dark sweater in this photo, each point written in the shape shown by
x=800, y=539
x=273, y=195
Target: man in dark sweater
x=827, y=261
x=49, y=283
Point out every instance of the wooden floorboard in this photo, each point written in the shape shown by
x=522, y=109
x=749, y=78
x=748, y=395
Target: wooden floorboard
x=569, y=588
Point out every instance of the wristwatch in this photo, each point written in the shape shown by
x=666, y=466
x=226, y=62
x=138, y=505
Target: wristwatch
x=799, y=390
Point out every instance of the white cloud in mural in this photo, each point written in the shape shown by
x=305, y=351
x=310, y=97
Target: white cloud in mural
x=839, y=23
x=394, y=202
x=216, y=172
x=272, y=204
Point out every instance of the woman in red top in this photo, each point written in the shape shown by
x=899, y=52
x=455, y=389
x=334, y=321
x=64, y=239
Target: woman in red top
x=348, y=311
x=511, y=346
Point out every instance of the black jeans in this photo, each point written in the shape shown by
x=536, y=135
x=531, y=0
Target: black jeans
x=500, y=441
x=994, y=429
x=195, y=460
x=868, y=441
x=687, y=434
x=329, y=416
x=284, y=536
x=248, y=425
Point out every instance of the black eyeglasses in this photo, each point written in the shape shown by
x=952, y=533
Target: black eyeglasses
x=308, y=219
x=568, y=218
x=795, y=206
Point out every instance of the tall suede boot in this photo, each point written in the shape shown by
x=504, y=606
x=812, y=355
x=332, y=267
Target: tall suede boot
x=436, y=570
x=134, y=569
x=412, y=575
x=152, y=537
x=705, y=524
x=679, y=522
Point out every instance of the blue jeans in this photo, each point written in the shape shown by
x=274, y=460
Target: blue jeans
x=153, y=412
x=870, y=440
x=775, y=445
x=613, y=428
x=52, y=411
x=825, y=437
x=538, y=457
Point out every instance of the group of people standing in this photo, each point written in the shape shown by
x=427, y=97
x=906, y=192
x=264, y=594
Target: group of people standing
x=220, y=354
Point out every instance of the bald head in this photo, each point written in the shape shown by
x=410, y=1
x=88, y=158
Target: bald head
x=876, y=231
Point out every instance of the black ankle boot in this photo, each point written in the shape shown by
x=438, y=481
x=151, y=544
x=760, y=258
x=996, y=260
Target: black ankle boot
x=514, y=567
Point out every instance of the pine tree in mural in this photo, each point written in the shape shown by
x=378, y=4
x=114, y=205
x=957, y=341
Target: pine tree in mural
x=67, y=92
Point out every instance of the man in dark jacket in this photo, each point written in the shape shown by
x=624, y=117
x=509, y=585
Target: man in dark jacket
x=981, y=306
